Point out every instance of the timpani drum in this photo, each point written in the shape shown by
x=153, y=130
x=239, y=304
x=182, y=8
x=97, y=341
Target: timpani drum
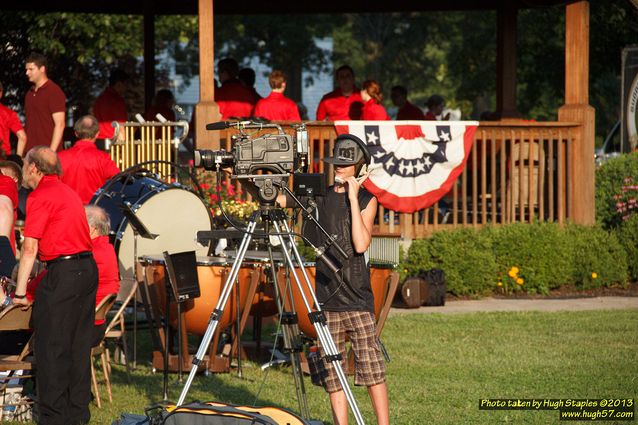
x=212, y=273
x=379, y=280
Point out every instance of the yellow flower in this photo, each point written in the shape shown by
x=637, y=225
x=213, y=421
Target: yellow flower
x=499, y=284
x=520, y=281
x=594, y=275
x=513, y=272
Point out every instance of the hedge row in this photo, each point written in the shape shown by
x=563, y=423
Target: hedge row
x=533, y=258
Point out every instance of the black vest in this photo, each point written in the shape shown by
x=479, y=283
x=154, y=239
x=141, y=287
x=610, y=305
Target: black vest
x=354, y=293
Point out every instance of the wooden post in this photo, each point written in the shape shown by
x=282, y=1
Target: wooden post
x=577, y=109
x=149, y=54
x=206, y=110
x=507, y=17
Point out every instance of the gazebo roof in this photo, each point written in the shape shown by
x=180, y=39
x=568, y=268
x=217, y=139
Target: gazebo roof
x=189, y=7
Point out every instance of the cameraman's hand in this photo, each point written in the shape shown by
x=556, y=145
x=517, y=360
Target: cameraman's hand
x=353, y=188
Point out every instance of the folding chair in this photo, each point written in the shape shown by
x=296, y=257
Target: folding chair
x=14, y=318
x=116, y=331
x=100, y=351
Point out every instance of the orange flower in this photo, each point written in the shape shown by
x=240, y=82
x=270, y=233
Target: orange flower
x=594, y=275
x=520, y=281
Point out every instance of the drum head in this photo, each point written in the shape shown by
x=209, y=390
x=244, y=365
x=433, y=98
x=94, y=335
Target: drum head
x=175, y=215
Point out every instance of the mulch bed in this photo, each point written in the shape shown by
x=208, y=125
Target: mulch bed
x=569, y=291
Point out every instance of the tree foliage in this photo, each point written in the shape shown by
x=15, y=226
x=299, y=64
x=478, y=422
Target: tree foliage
x=449, y=53
x=279, y=41
x=81, y=49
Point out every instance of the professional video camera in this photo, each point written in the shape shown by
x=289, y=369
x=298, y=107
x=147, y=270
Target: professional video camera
x=277, y=153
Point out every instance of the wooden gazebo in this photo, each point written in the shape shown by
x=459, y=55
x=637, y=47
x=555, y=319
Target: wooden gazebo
x=561, y=184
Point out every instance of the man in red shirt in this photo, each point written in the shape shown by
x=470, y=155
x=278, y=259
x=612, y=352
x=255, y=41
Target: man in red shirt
x=110, y=105
x=407, y=110
x=57, y=232
x=44, y=107
x=344, y=102
x=9, y=123
x=106, y=260
x=233, y=98
x=277, y=106
x=85, y=168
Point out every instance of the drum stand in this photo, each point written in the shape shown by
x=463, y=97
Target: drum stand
x=317, y=317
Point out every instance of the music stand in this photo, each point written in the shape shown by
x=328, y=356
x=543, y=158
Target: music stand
x=183, y=284
x=139, y=229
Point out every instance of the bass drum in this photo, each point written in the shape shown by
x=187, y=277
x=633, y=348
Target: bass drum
x=169, y=211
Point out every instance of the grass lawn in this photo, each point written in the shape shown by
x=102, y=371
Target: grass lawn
x=441, y=366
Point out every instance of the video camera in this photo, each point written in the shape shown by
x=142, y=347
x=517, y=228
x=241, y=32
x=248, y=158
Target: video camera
x=277, y=153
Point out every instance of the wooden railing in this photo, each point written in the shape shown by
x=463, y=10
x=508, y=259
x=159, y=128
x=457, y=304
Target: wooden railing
x=516, y=172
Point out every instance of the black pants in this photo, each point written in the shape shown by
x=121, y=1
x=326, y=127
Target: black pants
x=63, y=317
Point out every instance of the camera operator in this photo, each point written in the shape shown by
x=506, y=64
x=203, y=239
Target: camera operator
x=348, y=211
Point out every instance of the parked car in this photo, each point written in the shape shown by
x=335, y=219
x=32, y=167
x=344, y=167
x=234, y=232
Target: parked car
x=611, y=146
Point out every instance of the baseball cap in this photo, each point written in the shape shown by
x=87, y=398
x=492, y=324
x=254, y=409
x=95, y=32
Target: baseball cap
x=349, y=150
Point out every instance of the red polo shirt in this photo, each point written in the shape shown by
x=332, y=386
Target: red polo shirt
x=108, y=275
x=85, y=168
x=55, y=216
x=409, y=111
x=9, y=123
x=39, y=106
x=235, y=99
x=277, y=107
x=109, y=107
x=373, y=111
x=335, y=106
x=9, y=188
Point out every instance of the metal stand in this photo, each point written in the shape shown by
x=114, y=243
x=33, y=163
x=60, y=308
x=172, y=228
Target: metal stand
x=291, y=335
x=286, y=238
x=139, y=229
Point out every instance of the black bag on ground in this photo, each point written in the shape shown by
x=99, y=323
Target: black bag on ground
x=435, y=287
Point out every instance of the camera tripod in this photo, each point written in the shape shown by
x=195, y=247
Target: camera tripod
x=277, y=217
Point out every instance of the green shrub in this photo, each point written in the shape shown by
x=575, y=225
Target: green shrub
x=610, y=179
x=627, y=234
x=467, y=259
x=465, y=255
x=599, y=257
x=528, y=247
x=533, y=258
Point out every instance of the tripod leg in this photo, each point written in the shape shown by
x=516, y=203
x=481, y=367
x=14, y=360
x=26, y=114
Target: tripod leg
x=219, y=308
x=317, y=317
x=291, y=337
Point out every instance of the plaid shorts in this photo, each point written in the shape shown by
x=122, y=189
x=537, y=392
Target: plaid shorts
x=360, y=328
